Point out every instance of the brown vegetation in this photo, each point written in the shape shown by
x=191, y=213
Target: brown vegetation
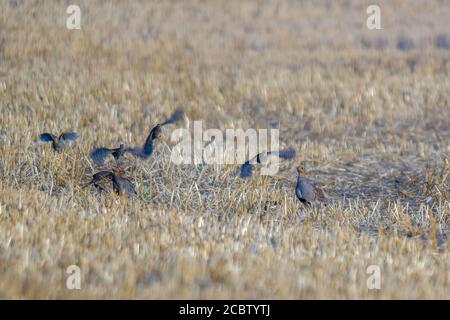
x=373, y=120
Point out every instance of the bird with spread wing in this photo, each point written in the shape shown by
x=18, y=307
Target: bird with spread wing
x=58, y=142
x=99, y=155
x=260, y=158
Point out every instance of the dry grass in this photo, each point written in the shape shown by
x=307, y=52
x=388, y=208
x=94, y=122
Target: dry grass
x=372, y=120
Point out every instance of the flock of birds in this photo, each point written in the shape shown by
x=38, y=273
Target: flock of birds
x=306, y=192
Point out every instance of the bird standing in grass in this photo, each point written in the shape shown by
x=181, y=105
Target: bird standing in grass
x=306, y=192
x=58, y=143
x=247, y=167
x=99, y=179
x=120, y=183
x=98, y=155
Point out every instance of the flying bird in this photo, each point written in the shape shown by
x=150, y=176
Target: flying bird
x=306, y=192
x=99, y=155
x=247, y=167
x=58, y=143
x=146, y=150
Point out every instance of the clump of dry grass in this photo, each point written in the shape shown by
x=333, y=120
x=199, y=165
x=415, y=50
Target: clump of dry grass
x=370, y=119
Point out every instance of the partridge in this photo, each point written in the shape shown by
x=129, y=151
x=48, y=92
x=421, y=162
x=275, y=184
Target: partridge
x=120, y=183
x=99, y=155
x=58, y=142
x=247, y=167
x=99, y=179
x=306, y=192
x=146, y=150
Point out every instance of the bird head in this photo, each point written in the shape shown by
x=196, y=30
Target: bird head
x=301, y=169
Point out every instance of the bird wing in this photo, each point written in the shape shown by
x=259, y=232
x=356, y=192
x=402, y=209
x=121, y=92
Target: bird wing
x=98, y=155
x=298, y=190
x=137, y=151
x=128, y=187
x=284, y=154
x=246, y=169
x=68, y=136
x=147, y=149
x=308, y=191
x=100, y=177
x=174, y=117
x=155, y=132
x=46, y=137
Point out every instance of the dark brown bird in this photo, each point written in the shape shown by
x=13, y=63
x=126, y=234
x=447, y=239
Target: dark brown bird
x=306, y=192
x=100, y=178
x=120, y=183
x=98, y=155
x=247, y=167
x=58, y=143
